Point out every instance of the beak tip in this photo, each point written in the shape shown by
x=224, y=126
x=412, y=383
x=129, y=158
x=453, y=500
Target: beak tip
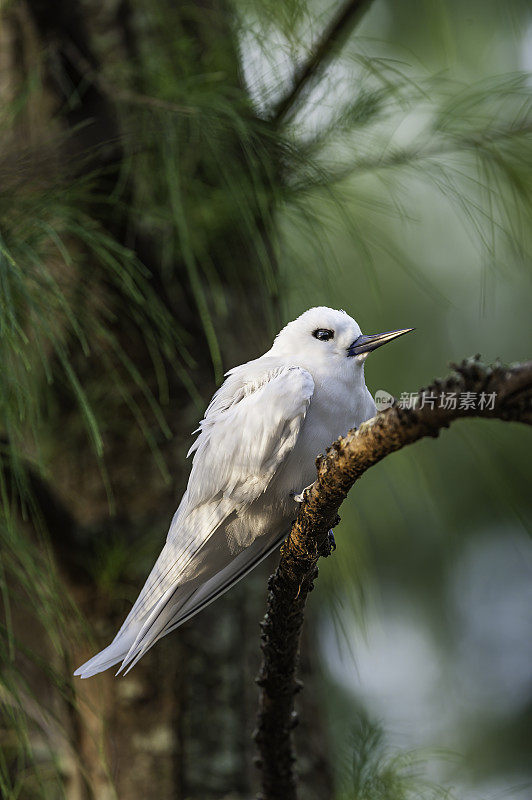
x=367, y=343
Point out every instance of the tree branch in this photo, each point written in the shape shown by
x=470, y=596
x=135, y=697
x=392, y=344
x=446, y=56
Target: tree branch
x=479, y=142
x=332, y=39
x=507, y=393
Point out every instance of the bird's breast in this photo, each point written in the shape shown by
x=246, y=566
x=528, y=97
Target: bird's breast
x=330, y=415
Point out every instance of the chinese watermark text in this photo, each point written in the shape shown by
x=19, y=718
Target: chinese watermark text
x=449, y=401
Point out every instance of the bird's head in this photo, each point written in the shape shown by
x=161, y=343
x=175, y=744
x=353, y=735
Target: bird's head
x=326, y=339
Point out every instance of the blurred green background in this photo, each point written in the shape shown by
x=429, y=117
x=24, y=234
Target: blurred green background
x=160, y=219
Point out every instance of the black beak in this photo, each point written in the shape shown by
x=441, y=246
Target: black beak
x=368, y=342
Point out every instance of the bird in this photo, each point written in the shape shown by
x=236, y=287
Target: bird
x=254, y=455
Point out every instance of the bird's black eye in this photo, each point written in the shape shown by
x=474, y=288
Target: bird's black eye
x=323, y=334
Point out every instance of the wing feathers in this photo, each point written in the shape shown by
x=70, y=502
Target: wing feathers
x=250, y=426
x=168, y=616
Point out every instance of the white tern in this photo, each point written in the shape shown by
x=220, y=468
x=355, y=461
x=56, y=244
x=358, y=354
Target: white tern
x=254, y=454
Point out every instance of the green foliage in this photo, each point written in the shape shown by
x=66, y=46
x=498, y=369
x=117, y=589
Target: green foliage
x=33, y=729
x=53, y=257
x=471, y=143
x=378, y=773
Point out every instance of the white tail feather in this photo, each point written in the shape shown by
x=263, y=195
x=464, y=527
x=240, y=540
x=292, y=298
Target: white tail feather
x=108, y=657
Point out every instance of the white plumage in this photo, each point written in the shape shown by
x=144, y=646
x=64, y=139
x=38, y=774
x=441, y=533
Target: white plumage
x=255, y=449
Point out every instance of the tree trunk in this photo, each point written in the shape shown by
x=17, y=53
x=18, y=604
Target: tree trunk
x=179, y=725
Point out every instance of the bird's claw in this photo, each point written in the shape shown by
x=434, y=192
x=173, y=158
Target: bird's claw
x=328, y=545
x=301, y=496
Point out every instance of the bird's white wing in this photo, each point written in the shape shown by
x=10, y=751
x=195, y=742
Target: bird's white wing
x=183, y=601
x=250, y=426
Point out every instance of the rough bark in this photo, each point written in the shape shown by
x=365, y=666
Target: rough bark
x=344, y=463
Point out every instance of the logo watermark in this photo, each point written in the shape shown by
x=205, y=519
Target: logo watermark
x=383, y=399
x=448, y=401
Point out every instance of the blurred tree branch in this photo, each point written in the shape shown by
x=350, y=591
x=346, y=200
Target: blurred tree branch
x=507, y=393
x=332, y=39
x=479, y=143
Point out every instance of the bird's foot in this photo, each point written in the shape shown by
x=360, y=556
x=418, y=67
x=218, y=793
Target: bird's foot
x=328, y=546
x=301, y=496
